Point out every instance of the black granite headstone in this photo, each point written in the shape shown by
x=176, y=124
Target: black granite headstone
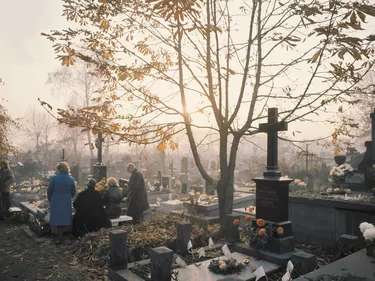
x=303, y=262
x=118, y=258
x=100, y=172
x=183, y=236
x=161, y=264
x=272, y=199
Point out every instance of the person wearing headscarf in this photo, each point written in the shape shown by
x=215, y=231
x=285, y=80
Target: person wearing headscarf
x=90, y=215
x=60, y=192
x=112, y=199
x=6, y=181
x=137, y=195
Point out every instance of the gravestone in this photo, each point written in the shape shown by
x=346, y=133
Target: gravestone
x=159, y=176
x=118, y=258
x=163, y=163
x=161, y=264
x=272, y=194
x=166, y=182
x=183, y=237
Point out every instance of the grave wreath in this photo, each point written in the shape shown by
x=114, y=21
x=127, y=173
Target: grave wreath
x=258, y=231
x=225, y=266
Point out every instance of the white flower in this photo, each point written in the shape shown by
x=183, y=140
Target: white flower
x=365, y=225
x=369, y=234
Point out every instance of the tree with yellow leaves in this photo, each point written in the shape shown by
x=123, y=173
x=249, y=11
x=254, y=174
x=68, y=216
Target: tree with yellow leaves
x=212, y=65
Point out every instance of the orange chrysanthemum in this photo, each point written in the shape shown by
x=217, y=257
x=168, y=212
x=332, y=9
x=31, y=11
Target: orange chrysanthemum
x=260, y=222
x=280, y=230
x=236, y=222
x=248, y=218
x=261, y=231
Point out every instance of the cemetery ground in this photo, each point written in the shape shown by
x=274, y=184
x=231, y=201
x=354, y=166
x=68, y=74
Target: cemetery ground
x=22, y=258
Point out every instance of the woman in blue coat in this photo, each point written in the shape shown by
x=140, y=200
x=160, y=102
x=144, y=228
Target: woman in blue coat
x=61, y=190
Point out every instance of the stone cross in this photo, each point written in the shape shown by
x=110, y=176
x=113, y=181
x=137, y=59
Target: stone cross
x=99, y=146
x=271, y=128
x=372, y=115
x=62, y=156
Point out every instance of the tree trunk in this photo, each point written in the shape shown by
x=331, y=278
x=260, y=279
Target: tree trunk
x=225, y=187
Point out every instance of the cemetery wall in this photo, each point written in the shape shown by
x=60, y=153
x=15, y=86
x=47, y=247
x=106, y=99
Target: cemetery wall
x=322, y=222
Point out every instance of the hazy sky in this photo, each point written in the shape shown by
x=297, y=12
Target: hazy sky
x=26, y=57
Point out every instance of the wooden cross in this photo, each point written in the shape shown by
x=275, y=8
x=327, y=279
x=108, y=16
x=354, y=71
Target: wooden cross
x=271, y=128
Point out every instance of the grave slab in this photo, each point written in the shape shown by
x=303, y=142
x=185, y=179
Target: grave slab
x=358, y=265
x=240, y=200
x=277, y=258
x=170, y=205
x=193, y=272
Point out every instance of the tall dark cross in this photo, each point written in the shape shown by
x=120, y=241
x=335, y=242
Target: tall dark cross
x=372, y=115
x=62, y=155
x=99, y=146
x=271, y=128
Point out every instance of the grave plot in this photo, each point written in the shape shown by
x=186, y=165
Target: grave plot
x=93, y=249
x=213, y=262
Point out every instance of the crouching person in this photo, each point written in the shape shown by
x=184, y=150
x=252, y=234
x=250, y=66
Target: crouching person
x=112, y=199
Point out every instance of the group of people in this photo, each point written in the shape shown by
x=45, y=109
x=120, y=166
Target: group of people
x=93, y=210
x=6, y=181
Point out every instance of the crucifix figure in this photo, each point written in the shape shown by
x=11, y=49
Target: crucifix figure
x=271, y=128
x=99, y=146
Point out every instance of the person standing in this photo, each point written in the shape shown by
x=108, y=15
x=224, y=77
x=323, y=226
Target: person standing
x=6, y=181
x=137, y=195
x=60, y=192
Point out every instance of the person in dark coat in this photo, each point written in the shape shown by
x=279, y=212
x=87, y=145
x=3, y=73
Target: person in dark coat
x=137, y=195
x=90, y=215
x=112, y=199
x=6, y=181
x=60, y=192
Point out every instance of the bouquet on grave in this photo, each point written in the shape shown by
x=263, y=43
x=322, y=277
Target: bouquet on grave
x=101, y=186
x=368, y=231
x=257, y=231
x=340, y=172
x=225, y=266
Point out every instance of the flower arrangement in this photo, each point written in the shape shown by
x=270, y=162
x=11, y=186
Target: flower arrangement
x=338, y=190
x=258, y=231
x=368, y=231
x=297, y=184
x=228, y=266
x=340, y=172
x=101, y=186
